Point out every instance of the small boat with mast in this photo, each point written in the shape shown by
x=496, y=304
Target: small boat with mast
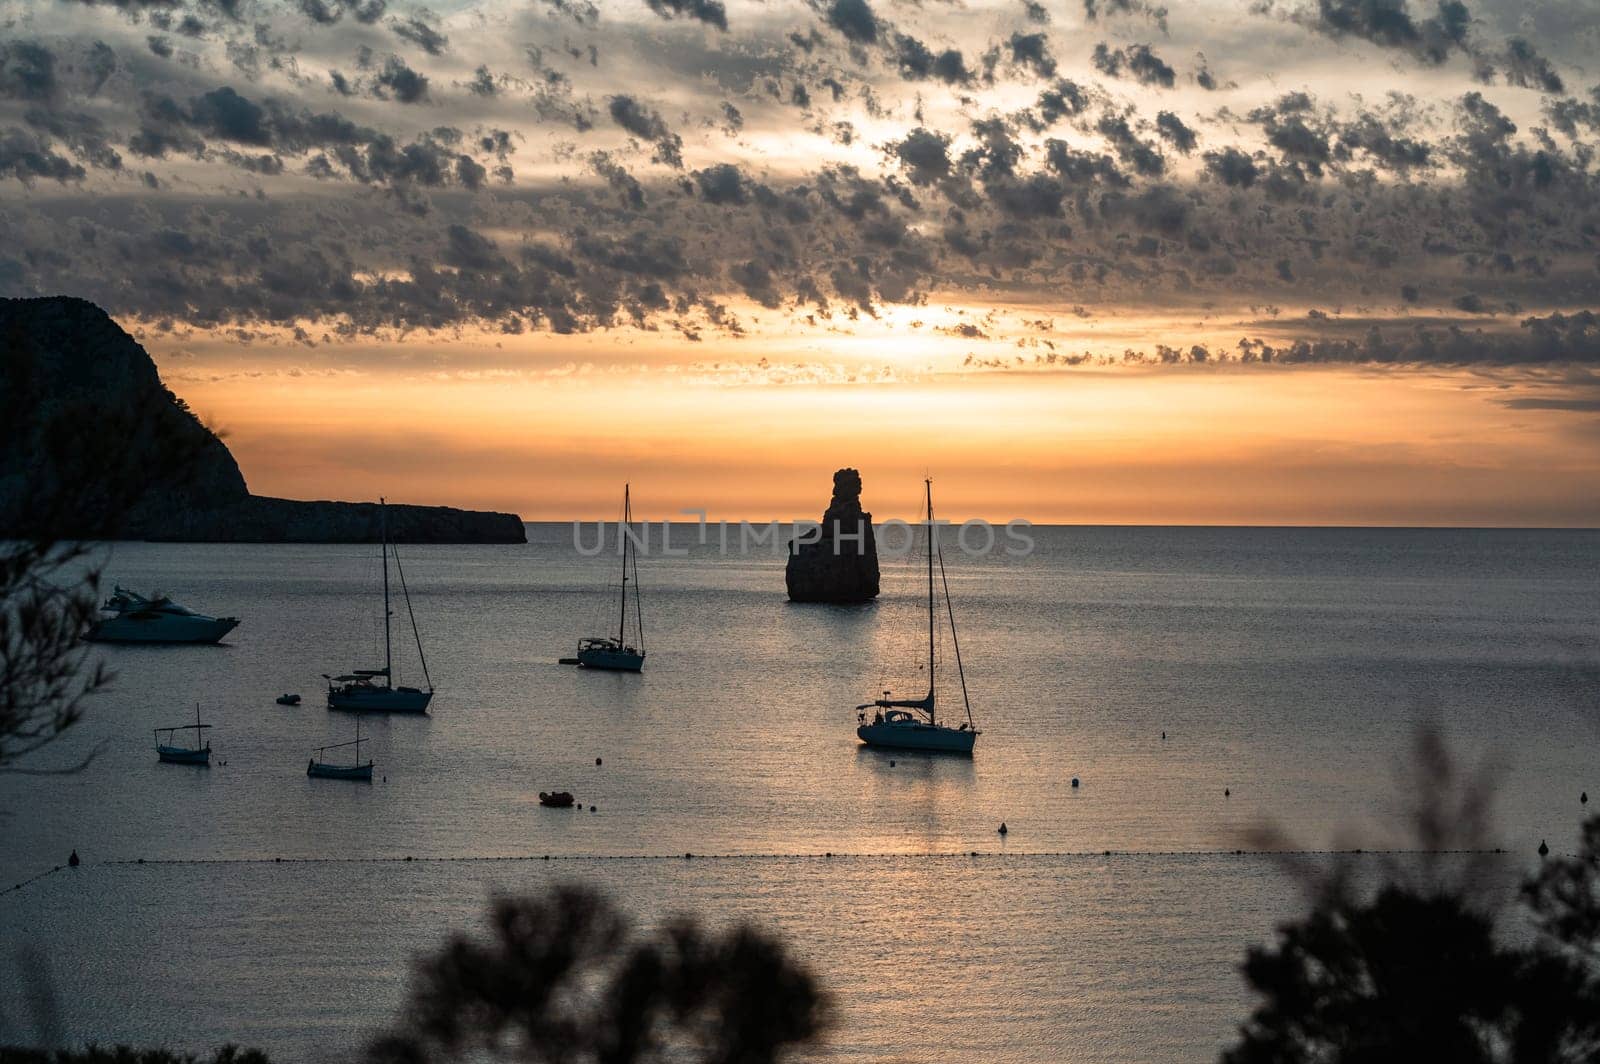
x=374, y=690
x=617, y=654
x=355, y=770
x=912, y=723
x=168, y=750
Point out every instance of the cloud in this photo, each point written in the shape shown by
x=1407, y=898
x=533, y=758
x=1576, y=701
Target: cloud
x=647, y=124
x=1389, y=24
x=399, y=80
x=28, y=158
x=854, y=19
x=711, y=12
x=1136, y=61
x=925, y=156
x=421, y=34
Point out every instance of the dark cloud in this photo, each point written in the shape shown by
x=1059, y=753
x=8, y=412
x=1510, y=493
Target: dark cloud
x=647, y=124
x=1388, y=24
x=1132, y=151
x=925, y=156
x=711, y=12
x=1136, y=61
x=1032, y=51
x=1232, y=167
x=917, y=62
x=1522, y=65
x=1174, y=132
x=583, y=12
x=617, y=176
x=854, y=19
x=28, y=158
x=400, y=81
x=421, y=34
x=27, y=71
x=723, y=185
x=1092, y=10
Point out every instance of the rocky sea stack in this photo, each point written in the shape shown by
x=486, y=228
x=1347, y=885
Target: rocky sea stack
x=94, y=446
x=841, y=566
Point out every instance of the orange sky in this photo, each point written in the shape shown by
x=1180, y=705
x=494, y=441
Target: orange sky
x=555, y=438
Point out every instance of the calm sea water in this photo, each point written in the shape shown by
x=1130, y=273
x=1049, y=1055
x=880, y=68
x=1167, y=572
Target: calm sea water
x=1288, y=668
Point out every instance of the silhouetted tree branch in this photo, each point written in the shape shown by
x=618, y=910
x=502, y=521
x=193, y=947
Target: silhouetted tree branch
x=1430, y=962
x=563, y=979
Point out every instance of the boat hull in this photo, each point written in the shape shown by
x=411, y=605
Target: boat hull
x=380, y=699
x=919, y=736
x=159, y=629
x=182, y=755
x=611, y=660
x=362, y=773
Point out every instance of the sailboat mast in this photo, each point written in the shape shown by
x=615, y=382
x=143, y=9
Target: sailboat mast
x=627, y=520
x=928, y=483
x=383, y=535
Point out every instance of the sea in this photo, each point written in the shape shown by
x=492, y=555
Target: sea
x=1161, y=709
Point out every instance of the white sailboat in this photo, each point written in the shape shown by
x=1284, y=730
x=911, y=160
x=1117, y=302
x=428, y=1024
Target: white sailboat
x=374, y=690
x=913, y=723
x=617, y=654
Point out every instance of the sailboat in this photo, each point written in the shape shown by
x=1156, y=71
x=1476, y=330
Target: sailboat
x=168, y=751
x=604, y=651
x=374, y=690
x=354, y=771
x=913, y=723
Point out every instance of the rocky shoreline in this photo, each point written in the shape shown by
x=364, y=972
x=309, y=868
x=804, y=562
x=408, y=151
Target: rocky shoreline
x=94, y=446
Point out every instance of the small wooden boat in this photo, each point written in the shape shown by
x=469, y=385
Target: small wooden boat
x=167, y=749
x=319, y=769
x=556, y=799
x=288, y=700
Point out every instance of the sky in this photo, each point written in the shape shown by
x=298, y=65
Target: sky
x=1097, y=261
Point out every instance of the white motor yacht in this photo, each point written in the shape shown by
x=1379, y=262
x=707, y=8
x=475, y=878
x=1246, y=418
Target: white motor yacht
x=157, y=619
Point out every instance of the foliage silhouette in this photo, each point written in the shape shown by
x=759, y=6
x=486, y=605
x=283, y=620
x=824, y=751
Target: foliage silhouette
x=1434, y=961
x=563, y=979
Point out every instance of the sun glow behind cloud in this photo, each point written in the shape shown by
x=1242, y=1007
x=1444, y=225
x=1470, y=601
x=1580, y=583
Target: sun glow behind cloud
x=1195, y=444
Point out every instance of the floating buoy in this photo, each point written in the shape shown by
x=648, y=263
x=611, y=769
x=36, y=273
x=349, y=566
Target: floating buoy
x=73, y=860
x=1584, y=798
x=1074, y=783
x=1163, y=735
x=1003, y=829
x=1227, y=793
x=597, y=761
x=688, y=857
x=591, y=809
x=547, y=857
x=891, y=762
x=1544, y=851
x=974, y=853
